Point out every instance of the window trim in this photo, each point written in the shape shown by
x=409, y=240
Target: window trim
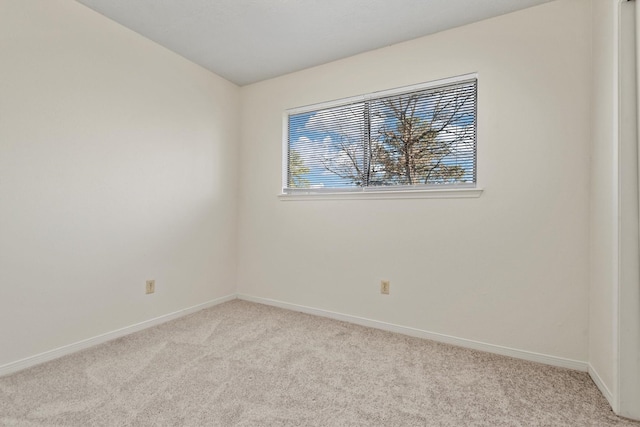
x=391, y=192
x=464, y=191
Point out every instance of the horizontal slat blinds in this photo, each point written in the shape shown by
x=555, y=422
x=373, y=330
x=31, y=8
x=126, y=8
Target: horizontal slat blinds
x=326, y=147
x=422, y=137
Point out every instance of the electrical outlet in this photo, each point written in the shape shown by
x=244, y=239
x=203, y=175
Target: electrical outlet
x=384, y=287
x=151, y=286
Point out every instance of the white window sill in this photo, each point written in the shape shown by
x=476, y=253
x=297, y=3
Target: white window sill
x=451, y=193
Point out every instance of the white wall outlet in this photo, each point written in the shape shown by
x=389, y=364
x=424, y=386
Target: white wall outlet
x=151, y=286
x=384, y=287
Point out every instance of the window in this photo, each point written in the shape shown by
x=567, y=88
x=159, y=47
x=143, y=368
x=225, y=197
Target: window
x=420, y=137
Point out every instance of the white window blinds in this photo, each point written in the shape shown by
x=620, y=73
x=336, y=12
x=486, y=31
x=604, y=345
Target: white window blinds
x=421, y=137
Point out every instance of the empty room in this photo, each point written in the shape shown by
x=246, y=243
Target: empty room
x=323, y=213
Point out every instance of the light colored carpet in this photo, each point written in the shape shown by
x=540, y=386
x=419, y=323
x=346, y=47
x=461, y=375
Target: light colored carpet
x=246, y=364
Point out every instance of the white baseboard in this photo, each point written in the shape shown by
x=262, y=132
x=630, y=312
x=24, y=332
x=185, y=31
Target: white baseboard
x=461, y=342
x=434, y=336
x=603, y=388
x=90, y=342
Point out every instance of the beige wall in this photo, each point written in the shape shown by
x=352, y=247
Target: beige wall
x=118, y=165
x=614, y=300
x=628, y=307
x=604, y=198
x=510, y=268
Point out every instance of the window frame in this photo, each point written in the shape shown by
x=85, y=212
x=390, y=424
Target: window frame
x=463, y=190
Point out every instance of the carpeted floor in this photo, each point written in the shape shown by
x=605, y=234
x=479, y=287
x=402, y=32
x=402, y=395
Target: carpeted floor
x=246, y=364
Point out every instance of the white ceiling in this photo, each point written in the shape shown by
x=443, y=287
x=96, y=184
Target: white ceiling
x=246, y=41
